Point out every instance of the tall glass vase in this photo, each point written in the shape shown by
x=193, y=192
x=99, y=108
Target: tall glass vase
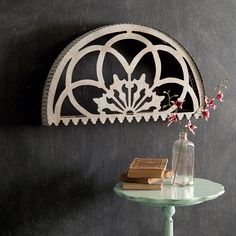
x=183, y=161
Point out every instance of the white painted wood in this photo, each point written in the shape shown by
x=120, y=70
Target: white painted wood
x=130, y=102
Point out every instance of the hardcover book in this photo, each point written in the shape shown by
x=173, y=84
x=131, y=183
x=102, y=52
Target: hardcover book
x=147, y=167
x=125, y=178
x=138, y=186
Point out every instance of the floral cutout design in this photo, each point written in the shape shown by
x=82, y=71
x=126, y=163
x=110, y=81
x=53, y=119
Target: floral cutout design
x=128, y=96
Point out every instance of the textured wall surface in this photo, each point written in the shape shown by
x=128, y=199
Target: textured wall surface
x=58, y=181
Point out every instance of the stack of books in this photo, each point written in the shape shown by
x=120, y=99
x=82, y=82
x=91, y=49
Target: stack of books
x=145, y=174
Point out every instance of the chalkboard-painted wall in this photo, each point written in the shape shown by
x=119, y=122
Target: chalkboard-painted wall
x=58, y=180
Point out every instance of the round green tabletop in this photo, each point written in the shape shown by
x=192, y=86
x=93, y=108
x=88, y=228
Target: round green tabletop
x=172, y=196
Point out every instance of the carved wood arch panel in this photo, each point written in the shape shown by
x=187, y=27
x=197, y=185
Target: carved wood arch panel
x=120, y=72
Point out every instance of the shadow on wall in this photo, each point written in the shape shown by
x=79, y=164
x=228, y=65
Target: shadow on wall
x=27, y=62
x=42, y=206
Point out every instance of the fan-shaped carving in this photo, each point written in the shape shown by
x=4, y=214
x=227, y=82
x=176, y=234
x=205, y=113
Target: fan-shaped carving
x=120, y=72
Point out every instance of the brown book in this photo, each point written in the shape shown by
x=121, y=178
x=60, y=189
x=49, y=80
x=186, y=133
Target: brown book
x=125, y=178
x=168, y=173
x=138, y=186
x=147, y=167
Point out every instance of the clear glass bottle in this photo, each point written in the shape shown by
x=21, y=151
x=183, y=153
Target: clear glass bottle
x=183, y=161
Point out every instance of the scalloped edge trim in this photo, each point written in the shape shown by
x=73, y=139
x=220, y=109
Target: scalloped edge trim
x=112, y=118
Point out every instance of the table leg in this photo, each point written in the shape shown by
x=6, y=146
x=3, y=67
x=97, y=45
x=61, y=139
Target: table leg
x=168, y=213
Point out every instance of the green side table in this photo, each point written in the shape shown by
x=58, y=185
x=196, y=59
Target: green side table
x=173, y=196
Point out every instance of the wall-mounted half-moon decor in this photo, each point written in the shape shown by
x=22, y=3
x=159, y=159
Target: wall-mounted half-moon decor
x=121, y=72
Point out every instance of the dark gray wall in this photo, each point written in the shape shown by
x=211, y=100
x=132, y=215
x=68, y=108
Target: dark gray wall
x=58, y=181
